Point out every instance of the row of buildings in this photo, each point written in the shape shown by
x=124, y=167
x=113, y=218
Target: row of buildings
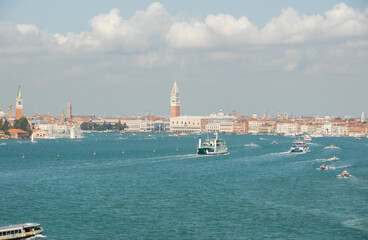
x=48, y=126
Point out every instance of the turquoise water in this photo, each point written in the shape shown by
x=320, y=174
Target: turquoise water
x=255, y=192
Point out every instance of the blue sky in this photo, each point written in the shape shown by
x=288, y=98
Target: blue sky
x=121, y=57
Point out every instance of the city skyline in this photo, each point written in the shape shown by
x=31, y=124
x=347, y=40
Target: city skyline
x=294, y=59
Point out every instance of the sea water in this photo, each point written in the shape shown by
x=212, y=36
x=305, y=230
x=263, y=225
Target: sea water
x=124, y=186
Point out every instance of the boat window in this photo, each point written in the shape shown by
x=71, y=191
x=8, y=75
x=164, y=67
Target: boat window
x=1, y=233
x=12, y=232
x=7, y=232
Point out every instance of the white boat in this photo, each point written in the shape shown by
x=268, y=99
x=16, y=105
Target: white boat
x=299, y=146
x=324, y=167
x=274, y=142
x=213, y=146
x=20, y=231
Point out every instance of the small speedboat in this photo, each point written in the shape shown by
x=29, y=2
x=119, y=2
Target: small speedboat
x=324, y=167
x=334, y=158
x=345, y=174
x=274, y=142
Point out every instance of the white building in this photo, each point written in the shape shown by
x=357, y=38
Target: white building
x=187, y=124
x=287, y=128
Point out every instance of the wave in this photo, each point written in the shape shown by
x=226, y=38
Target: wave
x=331, y=147
x=320, y=160
x=251, y=145
x=344, y=166
x=359, y=224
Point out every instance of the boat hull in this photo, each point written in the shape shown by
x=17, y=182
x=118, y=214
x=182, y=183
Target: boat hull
x=210, y=151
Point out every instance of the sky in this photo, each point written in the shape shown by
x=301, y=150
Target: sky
x=121, y=58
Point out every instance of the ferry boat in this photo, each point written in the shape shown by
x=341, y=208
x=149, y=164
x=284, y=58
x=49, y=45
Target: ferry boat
x=299, y=146
x=20, y=231
x=213, y=146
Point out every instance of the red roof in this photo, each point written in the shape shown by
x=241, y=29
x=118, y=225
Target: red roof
x=16, y=131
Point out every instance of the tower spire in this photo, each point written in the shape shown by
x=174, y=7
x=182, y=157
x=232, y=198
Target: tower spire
x=19, y=94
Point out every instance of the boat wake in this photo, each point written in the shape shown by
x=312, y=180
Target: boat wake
x=359, y=224
x=38, y=236
x=331, y=147
x=251, y=145
x=320, y=160
x=344, y=166
x=279, y=153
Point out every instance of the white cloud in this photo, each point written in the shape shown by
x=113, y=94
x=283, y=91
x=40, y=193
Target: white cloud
x=290, y=27
x=154, y=29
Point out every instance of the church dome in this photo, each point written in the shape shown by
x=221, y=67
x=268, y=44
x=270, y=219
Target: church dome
x=2, y=114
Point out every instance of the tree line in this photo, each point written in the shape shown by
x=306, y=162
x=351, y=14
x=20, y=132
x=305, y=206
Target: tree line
x=21, y=123
x=105, y=126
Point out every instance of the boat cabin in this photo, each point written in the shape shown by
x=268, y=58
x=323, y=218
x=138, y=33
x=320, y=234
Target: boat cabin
x=20, y=231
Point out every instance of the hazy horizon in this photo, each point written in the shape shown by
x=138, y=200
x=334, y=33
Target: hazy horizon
x=113, y=58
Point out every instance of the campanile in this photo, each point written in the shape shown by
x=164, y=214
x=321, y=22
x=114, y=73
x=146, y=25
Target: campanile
x=175, y=101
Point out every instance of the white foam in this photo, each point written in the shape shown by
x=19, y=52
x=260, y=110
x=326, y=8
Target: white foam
x=359, y=224
x=251, y=145
x=329, y=147
x=345, y=166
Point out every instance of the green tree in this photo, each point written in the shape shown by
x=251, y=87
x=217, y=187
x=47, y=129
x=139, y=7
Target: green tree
x=23, y=124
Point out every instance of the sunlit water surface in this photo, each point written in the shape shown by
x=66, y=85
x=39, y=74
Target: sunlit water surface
x=124, y=186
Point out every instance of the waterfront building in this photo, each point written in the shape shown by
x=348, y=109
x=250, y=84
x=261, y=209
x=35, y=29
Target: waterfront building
x=19, y=106
x=17, y=133
x=2, y=134
x=327, y=128
x=39, y=133
x=187, y=124
x=362, y=118
x=254, y=125
x=287, y=128
x=175, y=101
x=69, y=111
x=240, y=127
x=267, y=128
x=145, y=125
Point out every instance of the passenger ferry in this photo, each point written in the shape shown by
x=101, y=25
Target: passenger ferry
x=299, y=146
x=20, y=231
x=213, y=146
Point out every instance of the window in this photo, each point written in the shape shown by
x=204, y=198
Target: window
x=1, y=233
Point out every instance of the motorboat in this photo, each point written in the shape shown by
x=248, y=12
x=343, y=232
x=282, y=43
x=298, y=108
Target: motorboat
x=274, y=142
x=324, y=167
x=334, y=158
x=345, y=174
